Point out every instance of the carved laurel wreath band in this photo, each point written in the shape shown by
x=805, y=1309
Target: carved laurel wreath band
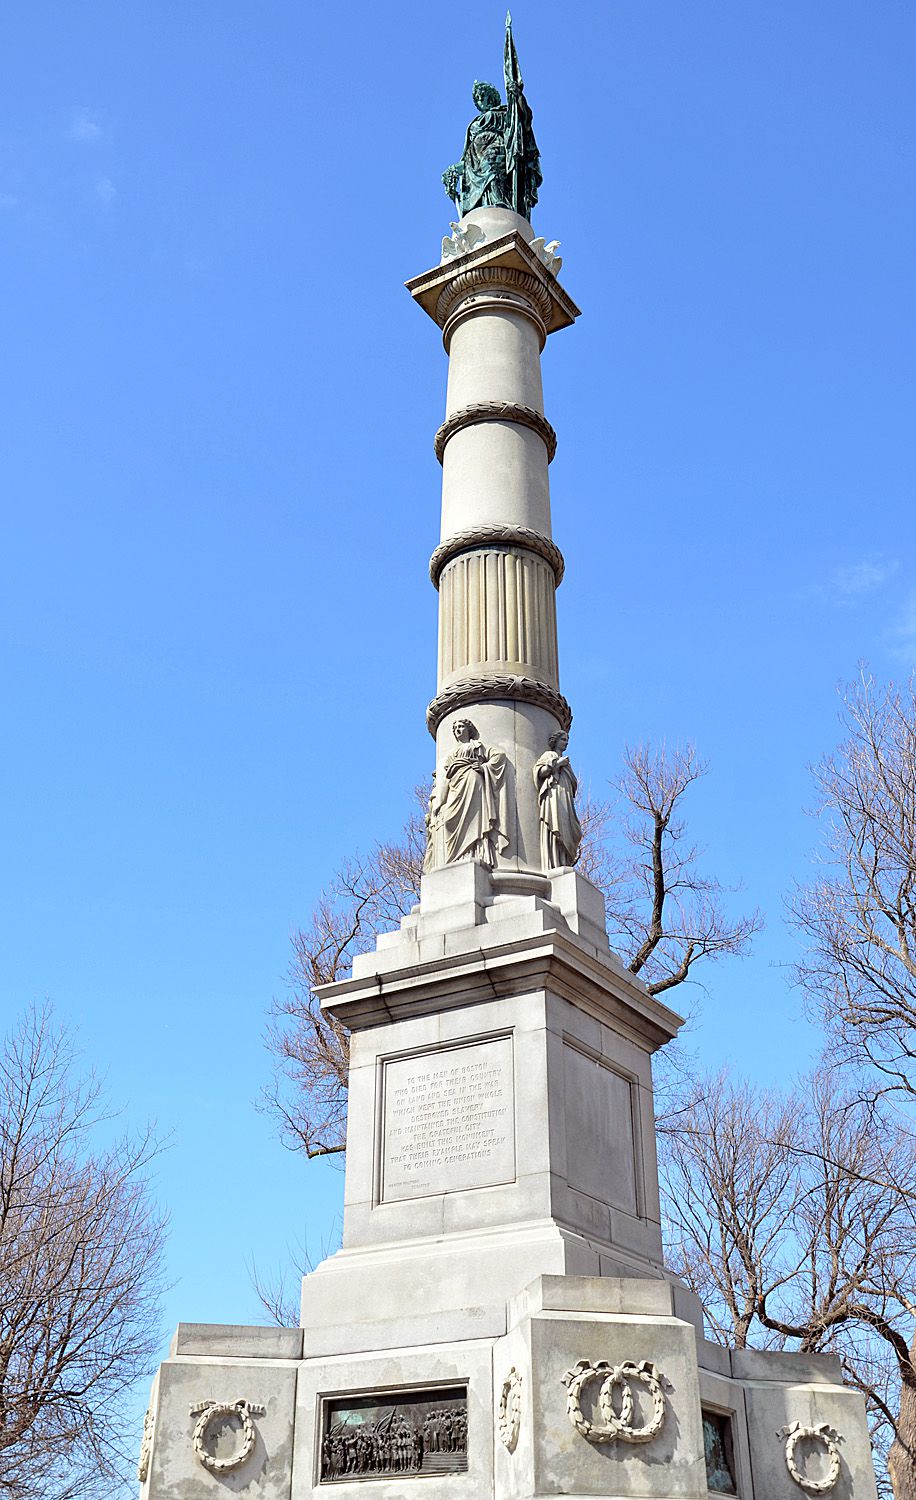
x=471, y=690
x=822, y=1434
x=494, y=278
x=618, y=1425
x=207, y=1413
x=496, y=411
x=496, y=536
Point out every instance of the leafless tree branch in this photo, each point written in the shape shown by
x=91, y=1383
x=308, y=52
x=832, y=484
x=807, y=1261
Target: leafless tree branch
x=792, y=1216
x=664, y=916
x=859, y=918
x=80, y=1271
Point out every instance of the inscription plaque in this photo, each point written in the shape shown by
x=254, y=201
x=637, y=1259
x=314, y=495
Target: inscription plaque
x=448, y=1120
x=402, y=1432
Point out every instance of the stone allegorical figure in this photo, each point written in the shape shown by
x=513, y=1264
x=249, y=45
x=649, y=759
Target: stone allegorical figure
x=468, y=805
x=561, y=831
x=501, y=165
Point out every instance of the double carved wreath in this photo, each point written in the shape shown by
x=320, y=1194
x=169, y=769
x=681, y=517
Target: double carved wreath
x=207, y=1412
x=618, y=1425
x=823, y=1434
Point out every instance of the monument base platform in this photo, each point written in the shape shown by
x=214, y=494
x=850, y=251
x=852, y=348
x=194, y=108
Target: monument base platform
x=599, y=1386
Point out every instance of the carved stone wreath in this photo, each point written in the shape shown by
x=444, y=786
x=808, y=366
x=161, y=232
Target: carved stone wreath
x=471, y=690
x=146, y=1447
x=496, y=411
x=509, y=1415
x=207, y=1412
x=618, y=1425
x=496, y=536
x=824, y=1434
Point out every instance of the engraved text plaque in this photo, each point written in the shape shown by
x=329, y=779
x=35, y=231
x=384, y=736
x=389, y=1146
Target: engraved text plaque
x=448, y=1120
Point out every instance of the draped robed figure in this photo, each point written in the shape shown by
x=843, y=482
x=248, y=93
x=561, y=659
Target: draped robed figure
x=561, y=831
x=501, y=165
x=468, y=807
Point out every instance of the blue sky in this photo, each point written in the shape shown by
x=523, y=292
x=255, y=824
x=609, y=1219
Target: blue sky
x=220, y=495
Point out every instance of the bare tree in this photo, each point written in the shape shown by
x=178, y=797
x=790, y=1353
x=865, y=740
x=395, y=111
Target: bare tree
x=793, y=1218
x=308, y=1092
x=859, y=918
x=80, y=1274
x=663, y=914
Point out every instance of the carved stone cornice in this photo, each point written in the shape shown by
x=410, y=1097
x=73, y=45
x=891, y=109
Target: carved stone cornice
x=509, y=253
x=471, y=690
x=496, y=536
x=496, y=411
x=554, y=960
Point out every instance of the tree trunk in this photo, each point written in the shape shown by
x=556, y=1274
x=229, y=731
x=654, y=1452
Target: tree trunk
x=901, y=1461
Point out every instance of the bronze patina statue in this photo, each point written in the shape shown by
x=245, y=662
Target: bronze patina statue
x=501, y=165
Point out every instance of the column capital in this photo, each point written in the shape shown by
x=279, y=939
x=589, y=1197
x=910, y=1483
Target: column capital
x=507, y=264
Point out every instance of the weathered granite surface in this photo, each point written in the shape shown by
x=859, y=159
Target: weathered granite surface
x=522, y=1440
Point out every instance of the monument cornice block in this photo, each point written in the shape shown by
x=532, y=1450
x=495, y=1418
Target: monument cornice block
x=552, y=961
x=510, y=252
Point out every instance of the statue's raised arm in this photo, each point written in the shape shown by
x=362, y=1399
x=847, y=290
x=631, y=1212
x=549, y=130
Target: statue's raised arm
x=523, y=161
x=500, y=166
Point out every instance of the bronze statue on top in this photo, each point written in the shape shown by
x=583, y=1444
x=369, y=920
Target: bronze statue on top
x=501, y=165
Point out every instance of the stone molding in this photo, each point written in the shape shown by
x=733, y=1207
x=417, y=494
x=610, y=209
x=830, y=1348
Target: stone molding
x=496, y=536
x=618, y=1426
x=524, y=284
x=508, y=252
x=471, y=690
x=509, y=1414
x=553, y=960
x=496, y=411
x=207, y=1412
x=825, y=1434
x=496, y=301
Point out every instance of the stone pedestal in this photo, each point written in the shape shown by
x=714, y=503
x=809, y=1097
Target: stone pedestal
x=499, y=1324
x=500, y=1113
x=533, y=1422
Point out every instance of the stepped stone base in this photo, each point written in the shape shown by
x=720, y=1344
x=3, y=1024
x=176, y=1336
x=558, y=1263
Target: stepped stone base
x=517, y=1426
x=500, y=1324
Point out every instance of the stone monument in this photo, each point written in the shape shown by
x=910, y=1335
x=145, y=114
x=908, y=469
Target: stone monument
x=499, y=1321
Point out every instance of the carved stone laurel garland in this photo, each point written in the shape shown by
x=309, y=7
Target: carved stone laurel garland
x=496, y=411
x=146, y=1447
x=496, y=536
x=618, y=1427
x=825, y=1434
x=509, y=1415
x=472, y=690
x=207, y=1412
x=494, y=278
